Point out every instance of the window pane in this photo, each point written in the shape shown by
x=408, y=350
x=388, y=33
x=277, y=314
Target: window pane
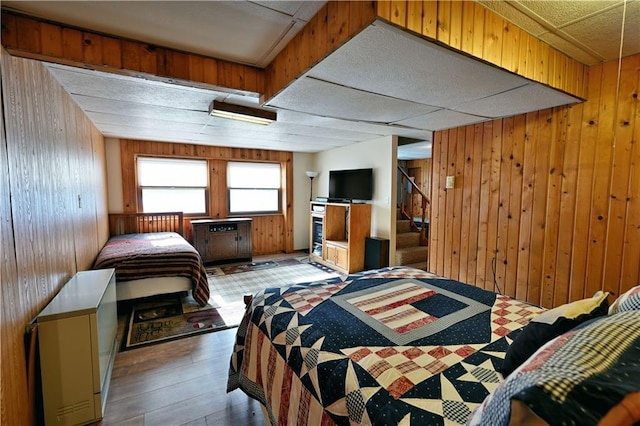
x=253, y=175
x=253, y=200
x=173, y=200
x=172, y=172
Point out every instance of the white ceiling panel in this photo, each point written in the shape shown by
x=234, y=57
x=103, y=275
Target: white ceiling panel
x=133, y=109
x=145, y=123
x=443, y=119
x=336, y=101
x=510, y=103
x=383, y=59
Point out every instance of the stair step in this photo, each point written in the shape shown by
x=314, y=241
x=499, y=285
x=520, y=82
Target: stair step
x=405, y=256
x=418, y=265
x=407, y=239
x=402, y=226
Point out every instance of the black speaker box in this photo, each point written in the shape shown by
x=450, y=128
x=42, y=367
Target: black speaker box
x=376, y=253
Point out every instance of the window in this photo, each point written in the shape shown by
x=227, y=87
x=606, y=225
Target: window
x=253, y=187
x=172, y=185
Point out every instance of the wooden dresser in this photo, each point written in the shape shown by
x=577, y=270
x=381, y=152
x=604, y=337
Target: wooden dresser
x=220, y=240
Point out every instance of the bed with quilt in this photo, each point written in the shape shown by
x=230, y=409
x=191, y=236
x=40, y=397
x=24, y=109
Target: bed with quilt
x=151, y=256
x=395, y=346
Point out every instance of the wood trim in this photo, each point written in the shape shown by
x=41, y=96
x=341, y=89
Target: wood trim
x=142, y=223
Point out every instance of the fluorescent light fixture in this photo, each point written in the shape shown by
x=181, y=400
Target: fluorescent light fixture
x=241, y=113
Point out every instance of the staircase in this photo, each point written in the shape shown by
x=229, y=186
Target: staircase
x=411, y=239
x=409, y=252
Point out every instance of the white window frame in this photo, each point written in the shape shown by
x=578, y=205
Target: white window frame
x=202, y=183
x=253, y=186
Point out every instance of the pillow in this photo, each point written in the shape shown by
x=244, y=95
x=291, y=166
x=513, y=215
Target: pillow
x=550, y=324
x=628, y=301
x=587, y=376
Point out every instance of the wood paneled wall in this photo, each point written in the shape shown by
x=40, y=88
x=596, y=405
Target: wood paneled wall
x=54, y=214
x=471, y=28
x=38, y=39
x=271, y=233
x=553, y=196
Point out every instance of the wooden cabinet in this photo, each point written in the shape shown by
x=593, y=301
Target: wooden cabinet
x=77, y=338
x=338, y=232
x=222, y=239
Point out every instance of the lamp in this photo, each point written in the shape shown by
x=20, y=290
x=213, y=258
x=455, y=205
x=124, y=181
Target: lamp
x=311, y=175
x=241, y=113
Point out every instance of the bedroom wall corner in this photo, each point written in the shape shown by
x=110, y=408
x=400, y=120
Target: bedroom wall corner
x=301, y=198
x=114, y=175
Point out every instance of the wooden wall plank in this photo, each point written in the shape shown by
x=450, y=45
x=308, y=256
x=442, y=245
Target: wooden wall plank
x=429, y=18
x=434, y=213
x=414, y=16
x=444, y=22
x=484, y=257
x=601, y=180
x=504, y=194
x=515, y=204
x=465, y=211
x=619, y=196
x=399, y=12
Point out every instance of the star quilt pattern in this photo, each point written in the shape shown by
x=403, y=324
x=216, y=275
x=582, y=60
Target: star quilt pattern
x=396, y=346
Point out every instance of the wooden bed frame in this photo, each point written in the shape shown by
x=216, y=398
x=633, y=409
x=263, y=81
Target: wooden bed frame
x=142, y=223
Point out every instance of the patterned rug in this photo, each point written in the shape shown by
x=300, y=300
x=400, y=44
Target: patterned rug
x=167, y=317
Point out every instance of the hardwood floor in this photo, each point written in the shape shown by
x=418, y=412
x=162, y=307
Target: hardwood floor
x=182, y=382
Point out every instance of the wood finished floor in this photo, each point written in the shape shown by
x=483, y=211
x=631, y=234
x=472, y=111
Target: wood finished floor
x=182, y=382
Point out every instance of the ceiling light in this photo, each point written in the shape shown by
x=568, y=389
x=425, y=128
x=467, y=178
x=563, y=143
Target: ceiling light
x=241, y=113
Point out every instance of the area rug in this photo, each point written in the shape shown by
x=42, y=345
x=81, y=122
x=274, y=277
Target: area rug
x=167, y=317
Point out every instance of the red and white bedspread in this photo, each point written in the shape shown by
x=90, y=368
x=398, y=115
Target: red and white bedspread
x=157, y=254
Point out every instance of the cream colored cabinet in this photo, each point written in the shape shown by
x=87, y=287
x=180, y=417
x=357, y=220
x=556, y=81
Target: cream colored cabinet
x=338, y=233
x=77, y=337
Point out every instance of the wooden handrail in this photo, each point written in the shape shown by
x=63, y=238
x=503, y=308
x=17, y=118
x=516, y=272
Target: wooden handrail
x=424, y=201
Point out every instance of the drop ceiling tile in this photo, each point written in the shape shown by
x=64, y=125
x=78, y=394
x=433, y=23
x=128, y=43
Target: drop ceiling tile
x=332, y=100
x=383, y=59
x=508, y=11
x=561, y=12
x=159, y=125
x=607, y=43
x=110, y=86
x=133, y=109
x=414, y=151
x=510, y=103
x=443, y=119
x=572, y=48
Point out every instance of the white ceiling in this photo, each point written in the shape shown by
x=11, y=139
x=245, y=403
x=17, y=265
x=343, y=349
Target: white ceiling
x=382, y=82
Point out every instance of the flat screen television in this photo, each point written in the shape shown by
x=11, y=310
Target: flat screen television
x=349, y=185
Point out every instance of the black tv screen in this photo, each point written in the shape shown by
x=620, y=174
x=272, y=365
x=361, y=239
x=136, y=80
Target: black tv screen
x=354, y=184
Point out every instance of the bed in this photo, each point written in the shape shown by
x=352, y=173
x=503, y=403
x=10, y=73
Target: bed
x=151, y=256
x=394, y=346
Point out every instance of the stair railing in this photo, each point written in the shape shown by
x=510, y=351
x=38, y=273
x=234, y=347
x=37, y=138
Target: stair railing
x=409, y=189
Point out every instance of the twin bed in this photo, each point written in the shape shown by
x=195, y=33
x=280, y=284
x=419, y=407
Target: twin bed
x=151, y=256
x=400, y=346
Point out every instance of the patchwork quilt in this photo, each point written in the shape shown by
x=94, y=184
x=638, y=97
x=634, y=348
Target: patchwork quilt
x=395, y=346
